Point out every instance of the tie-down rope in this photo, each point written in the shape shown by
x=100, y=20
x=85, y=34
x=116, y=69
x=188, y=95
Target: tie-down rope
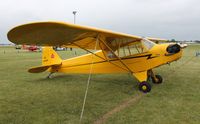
x=88, y=82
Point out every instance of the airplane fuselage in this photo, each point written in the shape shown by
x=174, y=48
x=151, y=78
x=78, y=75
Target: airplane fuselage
x=155, y=57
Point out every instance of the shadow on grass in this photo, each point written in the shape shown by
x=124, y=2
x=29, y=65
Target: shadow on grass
x=121, y=82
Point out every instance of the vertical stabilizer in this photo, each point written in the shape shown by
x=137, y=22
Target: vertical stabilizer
x=50, y=57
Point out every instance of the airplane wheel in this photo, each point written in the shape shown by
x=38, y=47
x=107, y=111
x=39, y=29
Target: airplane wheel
x=50, y=75
x=158, y=81
x=145, y=87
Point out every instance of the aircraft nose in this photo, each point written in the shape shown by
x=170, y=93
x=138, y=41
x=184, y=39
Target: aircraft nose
x=174, y=48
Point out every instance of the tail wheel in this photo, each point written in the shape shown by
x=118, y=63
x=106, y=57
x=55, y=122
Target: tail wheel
x=158, y=79
x=145, y=87
x=50, y=75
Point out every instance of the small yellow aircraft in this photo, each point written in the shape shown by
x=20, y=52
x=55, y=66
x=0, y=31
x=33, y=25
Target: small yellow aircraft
x=109, y=52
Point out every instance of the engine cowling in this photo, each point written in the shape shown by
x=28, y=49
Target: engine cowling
x=173, y=49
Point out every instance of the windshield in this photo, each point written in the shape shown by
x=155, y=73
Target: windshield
x=132, y=49
x=147, y=44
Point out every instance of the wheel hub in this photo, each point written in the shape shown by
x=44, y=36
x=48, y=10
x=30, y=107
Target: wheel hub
x=144, y=87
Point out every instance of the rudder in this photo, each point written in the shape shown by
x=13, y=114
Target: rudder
x=50, y=57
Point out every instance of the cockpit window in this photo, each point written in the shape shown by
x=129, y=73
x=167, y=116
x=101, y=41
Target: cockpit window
x=147, y=44
x=132, y=48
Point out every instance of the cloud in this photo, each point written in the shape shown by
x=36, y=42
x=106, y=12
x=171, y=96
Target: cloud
x=179, y=19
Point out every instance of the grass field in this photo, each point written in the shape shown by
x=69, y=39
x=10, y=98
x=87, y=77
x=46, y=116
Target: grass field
x=32, y=99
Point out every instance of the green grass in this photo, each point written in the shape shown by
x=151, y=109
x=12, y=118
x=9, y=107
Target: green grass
x=32, y=99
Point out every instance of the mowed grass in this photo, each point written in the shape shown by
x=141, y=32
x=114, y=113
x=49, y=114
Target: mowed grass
x=32, y=99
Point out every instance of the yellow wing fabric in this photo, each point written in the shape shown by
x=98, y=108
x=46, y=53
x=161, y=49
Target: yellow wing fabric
x=69, y=35
x=157, y=39
x=59, y=34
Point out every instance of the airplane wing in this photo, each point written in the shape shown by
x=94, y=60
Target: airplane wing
x=157, y=39
x=68, y=35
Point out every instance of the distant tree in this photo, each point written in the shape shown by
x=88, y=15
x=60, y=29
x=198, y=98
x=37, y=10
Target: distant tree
x=197, y=41
x=173, y=40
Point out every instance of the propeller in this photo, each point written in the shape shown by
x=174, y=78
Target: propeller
x=173, y=48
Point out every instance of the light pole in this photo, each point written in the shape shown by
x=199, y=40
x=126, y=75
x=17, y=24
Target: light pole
x=74, y=12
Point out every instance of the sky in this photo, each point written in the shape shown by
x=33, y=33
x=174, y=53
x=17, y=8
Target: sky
x=169, y=19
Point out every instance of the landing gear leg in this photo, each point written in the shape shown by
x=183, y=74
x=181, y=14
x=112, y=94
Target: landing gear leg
x=144, y=84
x=50, y=75
x=156, y=79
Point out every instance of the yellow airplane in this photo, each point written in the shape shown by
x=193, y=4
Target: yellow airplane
x=109, y=52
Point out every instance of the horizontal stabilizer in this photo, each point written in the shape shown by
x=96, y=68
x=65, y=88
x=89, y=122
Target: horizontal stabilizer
x=38, y=69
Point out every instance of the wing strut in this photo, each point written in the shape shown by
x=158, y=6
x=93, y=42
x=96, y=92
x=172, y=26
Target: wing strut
x=116, y=55
x=88, y=82
x=98, y=55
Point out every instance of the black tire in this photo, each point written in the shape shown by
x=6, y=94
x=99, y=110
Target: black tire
x=158, y=81
x=145, y=87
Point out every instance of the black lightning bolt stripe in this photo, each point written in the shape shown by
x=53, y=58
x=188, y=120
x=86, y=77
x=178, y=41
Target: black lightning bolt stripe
x=149, y=56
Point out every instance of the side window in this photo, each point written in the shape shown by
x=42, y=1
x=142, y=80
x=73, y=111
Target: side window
x=130, y=49
x=110, y=55
x=147, y=44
